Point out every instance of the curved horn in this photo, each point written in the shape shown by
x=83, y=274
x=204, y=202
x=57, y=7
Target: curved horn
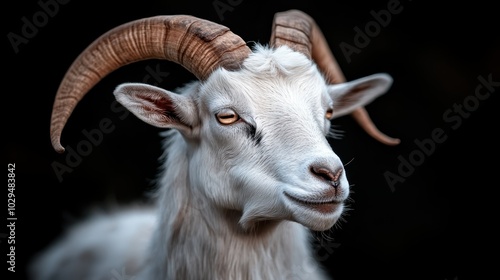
x=300, y=32
x=199, y=45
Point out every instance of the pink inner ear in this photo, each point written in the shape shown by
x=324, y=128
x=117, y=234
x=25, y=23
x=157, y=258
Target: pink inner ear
x=359, y=88
x=354, y=94
x=161, y=106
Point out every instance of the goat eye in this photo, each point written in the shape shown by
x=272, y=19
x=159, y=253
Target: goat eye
x=329, y=113
x=227, y=116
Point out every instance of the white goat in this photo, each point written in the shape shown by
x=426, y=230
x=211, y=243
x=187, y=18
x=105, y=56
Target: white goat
x=248, y=170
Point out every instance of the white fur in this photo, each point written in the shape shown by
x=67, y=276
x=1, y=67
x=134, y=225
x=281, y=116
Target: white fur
x=222, y=207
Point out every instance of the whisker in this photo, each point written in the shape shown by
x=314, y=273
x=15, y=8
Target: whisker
x=348, y=162
x=335, y=133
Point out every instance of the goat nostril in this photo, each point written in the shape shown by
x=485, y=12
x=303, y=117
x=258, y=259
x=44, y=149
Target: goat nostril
x=327, y=175
x=322, y=172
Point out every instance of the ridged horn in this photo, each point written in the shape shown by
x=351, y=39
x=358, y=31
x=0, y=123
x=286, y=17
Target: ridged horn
x=300, y=32
x=198, y=45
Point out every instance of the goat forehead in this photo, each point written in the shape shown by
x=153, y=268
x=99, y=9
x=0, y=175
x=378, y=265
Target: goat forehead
x=269, y=76
x=265, y=91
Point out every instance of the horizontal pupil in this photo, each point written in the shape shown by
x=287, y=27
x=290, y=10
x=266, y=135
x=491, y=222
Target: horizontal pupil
x=227, y=116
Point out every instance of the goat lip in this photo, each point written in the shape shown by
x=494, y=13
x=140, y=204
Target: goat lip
x=325, y=206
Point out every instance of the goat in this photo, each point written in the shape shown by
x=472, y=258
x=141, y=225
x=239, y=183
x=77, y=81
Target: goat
x=248, y=139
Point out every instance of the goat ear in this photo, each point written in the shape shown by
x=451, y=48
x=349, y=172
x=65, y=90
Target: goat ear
x=156, y=106
x=357, y=93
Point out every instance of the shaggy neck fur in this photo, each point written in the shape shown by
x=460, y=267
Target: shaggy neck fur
x=197, y=241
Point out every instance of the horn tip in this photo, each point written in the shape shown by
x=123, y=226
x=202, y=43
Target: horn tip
x=56, y=144
x=384, y=139
x=392, y=141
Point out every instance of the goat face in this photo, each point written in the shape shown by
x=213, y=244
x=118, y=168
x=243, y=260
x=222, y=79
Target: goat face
x=257, y=136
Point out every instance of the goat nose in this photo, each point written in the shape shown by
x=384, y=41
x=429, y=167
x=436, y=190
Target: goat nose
x=326, y=174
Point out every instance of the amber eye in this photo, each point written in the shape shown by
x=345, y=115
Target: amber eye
x=329, y=113
x=227, y=116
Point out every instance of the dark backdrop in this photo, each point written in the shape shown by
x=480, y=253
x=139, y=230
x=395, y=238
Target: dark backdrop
x=434, y=217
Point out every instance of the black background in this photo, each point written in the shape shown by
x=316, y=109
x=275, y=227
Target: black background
x=437, y=223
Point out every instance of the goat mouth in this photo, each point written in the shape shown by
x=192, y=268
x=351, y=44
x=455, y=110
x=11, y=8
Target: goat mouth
x=324, y=206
